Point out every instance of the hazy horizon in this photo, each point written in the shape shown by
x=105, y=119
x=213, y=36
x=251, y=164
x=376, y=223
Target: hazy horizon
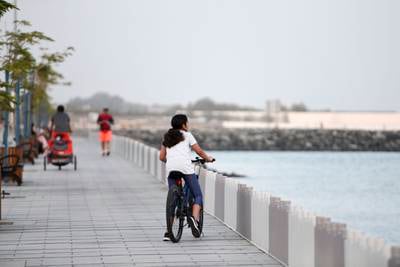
x=341, y=55
x=239, y=105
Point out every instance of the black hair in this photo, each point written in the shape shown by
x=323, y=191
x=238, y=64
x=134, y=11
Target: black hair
x=174, y=135
x=105, y=109
x=60, y=108
x=178, y=121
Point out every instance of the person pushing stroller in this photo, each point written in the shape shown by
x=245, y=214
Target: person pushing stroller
x=60, y=151
x=60, y=126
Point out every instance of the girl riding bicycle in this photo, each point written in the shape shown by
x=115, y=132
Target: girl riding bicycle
x=176, y=151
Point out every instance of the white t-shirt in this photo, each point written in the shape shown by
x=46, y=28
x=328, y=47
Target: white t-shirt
x=179, y=156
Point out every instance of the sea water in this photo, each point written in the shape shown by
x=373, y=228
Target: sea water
x=361, y=189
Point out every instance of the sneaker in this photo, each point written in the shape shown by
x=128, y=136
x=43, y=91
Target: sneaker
x=108, y=153
x=166, y=237
x=194, y=225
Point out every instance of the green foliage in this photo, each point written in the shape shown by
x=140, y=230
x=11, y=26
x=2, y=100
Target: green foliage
x=45, y=69
x=299, y=107
x=6, y=101
x=207, y=103
x=46, y=75
x=17, y=59
x=5, y=6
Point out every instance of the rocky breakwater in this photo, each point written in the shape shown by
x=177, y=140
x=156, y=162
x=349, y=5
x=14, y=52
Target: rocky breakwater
x=283, y=139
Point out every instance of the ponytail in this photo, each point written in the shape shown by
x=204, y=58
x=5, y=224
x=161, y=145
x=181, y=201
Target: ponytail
x=172, y=137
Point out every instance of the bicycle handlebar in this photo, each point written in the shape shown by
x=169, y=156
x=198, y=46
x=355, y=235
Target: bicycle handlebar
x=200, y=160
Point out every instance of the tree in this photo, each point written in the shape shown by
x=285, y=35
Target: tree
x=17, y=60
x=299, y=107
x=25, y=71
x=5, y=6
x=207, y=103
x=45, y=75
x=6, y=99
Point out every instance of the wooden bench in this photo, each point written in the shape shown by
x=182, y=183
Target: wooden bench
x=29, y=148
x=12, y=165
x=35, y=147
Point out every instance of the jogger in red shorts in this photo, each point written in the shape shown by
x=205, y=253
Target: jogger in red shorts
x=105, y=120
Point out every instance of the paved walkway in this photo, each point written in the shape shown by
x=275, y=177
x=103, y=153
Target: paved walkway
x=108, y=213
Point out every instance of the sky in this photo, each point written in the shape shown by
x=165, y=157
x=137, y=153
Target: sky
x=337, y=54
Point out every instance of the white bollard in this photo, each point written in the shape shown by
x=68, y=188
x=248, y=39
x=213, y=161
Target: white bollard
x=136, y=152
x=301, y=238
x=131, y=147
x=125, y=147
x=153, y=156
x=141, y=156
x=231, y=189
x=146, y=158
x=260, y=220
x=156, y=160
x=363, y=251
x=209, y=194
x=159, y=168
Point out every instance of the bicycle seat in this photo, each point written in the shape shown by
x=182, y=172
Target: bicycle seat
x=175, y=175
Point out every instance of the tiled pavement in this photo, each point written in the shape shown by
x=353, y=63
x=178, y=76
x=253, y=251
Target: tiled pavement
x=108, y=213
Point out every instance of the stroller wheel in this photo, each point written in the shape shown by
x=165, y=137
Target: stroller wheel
x=44, y=163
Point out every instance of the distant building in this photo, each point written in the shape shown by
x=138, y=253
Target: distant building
x=275, y=112
x=256, y=119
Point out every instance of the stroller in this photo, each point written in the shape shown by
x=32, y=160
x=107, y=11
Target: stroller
x=60, y=151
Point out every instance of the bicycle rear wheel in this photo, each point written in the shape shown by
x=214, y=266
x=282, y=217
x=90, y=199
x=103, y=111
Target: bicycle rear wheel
x=174, y=214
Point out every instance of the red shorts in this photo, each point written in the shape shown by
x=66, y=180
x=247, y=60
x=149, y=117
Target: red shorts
x=105, y=136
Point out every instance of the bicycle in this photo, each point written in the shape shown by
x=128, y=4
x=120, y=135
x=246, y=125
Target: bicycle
x=179, y=205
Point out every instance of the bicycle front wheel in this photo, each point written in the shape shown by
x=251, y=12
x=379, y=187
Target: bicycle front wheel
x=174, y=214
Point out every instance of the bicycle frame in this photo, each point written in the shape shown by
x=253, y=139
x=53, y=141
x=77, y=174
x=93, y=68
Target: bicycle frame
x=186, y=195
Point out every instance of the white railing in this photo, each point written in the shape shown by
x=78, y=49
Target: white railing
x=293, y=236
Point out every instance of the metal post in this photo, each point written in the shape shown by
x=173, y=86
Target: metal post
x=29, y=112
x=5, y=133
x=6, y=119
x=17, y=112
x=24, y=114
x=26, y=106
x=30, y=108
